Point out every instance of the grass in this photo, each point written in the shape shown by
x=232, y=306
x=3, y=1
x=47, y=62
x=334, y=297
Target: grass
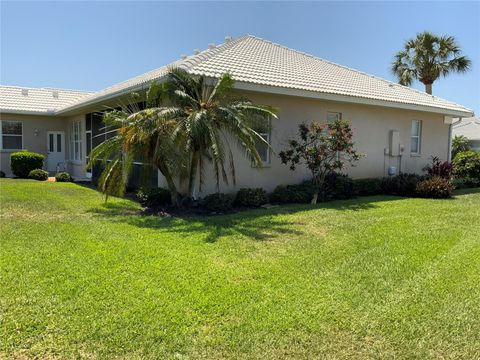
x=378, y=277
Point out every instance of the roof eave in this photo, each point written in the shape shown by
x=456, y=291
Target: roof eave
x=350, y=99
x=27, y=112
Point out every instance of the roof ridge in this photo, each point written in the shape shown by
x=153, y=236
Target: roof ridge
x=349, y=68
x=210, y=52
x=46, y=88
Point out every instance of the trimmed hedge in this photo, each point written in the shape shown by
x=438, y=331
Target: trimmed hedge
x=63, y=177
x=435, y=188
x=22, y=162
x=368, y=187
x=218, y=202
x=154, y=197
x=38, y=174
x=293, y=194
x=401, y=185
x=251, y=197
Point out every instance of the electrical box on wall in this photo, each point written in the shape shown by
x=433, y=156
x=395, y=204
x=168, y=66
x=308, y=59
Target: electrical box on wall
x=394, y=143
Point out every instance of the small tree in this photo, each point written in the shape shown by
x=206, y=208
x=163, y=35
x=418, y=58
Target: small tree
x=459, y=144
x=323, y=149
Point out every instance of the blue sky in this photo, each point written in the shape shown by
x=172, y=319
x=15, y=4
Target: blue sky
x=92, y=45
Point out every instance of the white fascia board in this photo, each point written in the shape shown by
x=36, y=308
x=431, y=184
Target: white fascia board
x=27, y=112
x=345, y=98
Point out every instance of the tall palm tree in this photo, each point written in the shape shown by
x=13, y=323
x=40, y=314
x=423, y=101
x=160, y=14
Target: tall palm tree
x=210, y=117
x=428, y=57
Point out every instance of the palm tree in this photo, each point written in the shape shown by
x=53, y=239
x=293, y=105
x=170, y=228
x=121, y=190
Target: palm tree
x=210, y=117
x=188, y=120
x=143, y=135
x=427, y=57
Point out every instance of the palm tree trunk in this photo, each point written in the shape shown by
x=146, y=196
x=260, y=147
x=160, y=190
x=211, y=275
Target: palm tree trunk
x=428, y=88
x=170, y=183
x=193, y=174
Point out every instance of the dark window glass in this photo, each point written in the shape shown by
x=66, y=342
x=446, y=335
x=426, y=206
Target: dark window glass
x=89, y=143
x=88, y=122
x=12, y=142
x=50, y=143
x=11, y=128
x=59, y=142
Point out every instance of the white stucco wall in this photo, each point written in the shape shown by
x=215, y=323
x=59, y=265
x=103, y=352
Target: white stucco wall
x=371, y=125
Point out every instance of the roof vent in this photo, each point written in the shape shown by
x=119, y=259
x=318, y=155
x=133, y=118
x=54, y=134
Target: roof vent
x=212, y=46
x=196, y=51
x=183, y=57
x=228, y=38
x=55, y=94
x=25, y=92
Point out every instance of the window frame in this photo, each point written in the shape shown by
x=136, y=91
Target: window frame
x=267, y=136
x=338, y=116
x=2, y=134
x=418, y=150
x=76, y=125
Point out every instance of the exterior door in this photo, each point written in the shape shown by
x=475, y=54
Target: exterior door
x=55, y=151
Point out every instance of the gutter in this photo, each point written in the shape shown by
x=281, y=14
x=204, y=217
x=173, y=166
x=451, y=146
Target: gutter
x=28, y=112
x=283, y=91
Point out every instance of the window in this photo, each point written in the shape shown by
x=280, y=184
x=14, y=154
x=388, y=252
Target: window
x=11, y=135
x=416, y=137
x=75, y=141
x=332, y=116
x=263, y=128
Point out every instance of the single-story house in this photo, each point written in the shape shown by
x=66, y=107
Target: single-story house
x=394, y=126
x=470, y=128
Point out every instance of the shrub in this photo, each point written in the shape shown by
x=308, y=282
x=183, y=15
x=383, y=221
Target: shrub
x=63, y=177
x=22, y=162
x=368, y=187
x=38, y=174
x=464, y=183
x=292, y=194
x=2, y=174
x=337, y=187
x=459, y=144
x=154, y=197
x=251, y=197
x=438, y=168
x=436, y=188
x=467, y=165
x=402, y=185
x=217, y=202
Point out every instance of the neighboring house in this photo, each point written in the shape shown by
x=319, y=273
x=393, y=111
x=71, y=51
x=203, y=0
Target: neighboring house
x=470, y=128
x=393, y=125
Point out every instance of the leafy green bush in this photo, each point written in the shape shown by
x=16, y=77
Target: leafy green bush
x=217, y=202
x=436, y=188
x=402, y=185
x=38, y=174
x=2, y=174
x=293, y=194
x=464, y=183
x=459, y=144
x=251, y=197
x=22, y=162
x=63, y=177
x=467, y=165
x=368, y=187
x=154, y=197
x=337, y=187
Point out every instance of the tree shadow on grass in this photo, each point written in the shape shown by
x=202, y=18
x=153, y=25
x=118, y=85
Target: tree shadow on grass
x=259, y=224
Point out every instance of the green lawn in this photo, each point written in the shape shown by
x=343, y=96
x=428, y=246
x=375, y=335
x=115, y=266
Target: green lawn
x=378, y=277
